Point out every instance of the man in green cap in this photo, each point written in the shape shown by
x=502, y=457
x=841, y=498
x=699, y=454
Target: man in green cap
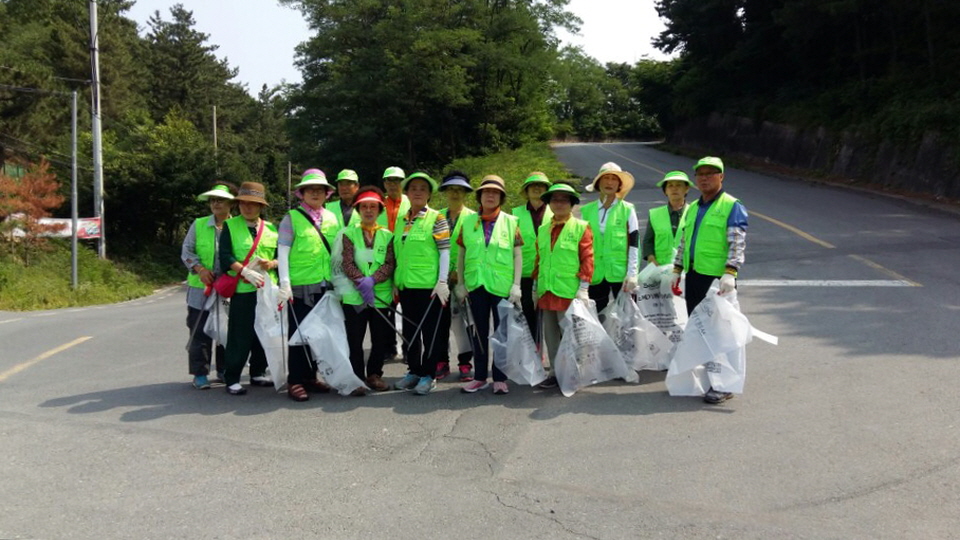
x=397, y=203
x=660, y=238
x=712, y=243
x=531, y=216
x=347, y=185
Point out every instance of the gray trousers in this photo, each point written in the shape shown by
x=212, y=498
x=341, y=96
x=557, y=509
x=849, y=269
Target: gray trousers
x=552, y=335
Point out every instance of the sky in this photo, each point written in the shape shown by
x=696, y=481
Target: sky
x=259, y=36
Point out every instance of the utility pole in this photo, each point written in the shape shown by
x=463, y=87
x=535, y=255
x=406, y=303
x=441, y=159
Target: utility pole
x=73, y=190
x=216, y=157
x=95, y=126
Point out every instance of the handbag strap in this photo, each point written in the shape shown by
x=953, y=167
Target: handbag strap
x=256, y=241
x=326, y=243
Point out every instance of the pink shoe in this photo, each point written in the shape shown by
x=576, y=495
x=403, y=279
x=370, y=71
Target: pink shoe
x=474, y=386
x=500, y=388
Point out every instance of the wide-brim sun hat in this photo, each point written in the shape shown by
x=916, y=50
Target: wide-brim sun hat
x=348, y=175
x=492, y=181
x=626, y=179
x=533, y=178
x=221, y=191
x=709, y=161
x=560, y=187
x=252, y=192
x=675, y=176
x=394, y=172
x=313, y=179
x=422, y=176
x=456, y=181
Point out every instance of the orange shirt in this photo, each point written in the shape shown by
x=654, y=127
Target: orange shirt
x=393, y=207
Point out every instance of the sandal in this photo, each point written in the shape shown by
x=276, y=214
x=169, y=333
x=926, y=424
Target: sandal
x=298, y=393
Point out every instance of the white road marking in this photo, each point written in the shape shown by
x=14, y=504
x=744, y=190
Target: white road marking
x=826, y=283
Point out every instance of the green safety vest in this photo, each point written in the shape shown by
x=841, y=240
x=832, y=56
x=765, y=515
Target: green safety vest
x=529, y=236
x=710, y=257
x=454, y=247
x=402, y=211
x=489, y=265
x=369, y=260
x=337, y=211
x=665, y=239
x=418, y=259
x=206, y=248
x=242, y=241
x=309, y=258
x=560, y=264
x=609, y=248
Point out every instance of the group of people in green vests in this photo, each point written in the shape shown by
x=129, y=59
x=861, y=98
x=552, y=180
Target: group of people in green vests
x=436, y=276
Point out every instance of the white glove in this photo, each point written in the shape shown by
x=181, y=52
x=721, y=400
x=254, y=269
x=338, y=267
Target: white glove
x=727, y=283
x=460, y=290
x=629, y=284
x=252, y=277
x=284, y=294
x=442, y=292
x=515, y=295
x=583, y=294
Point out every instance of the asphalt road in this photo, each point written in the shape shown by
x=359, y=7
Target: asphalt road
x=847, y=429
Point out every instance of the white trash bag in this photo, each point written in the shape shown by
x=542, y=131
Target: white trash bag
x=270, y=322
x=642, y=345
x=657, y=304
x=586, y=354
x=713, y=350
x=216, y=325
x=323, y=330
x=514, y=350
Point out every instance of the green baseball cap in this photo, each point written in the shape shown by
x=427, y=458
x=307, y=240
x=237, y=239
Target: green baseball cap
x=394, y=172
x=218, y=190
x=561, y=187
x=675, y=176
x=349, y=175
x=422, y=176
x=709, y=161
x=535, y=177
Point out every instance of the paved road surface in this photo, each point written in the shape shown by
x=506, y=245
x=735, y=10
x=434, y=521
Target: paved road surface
x=847, y=429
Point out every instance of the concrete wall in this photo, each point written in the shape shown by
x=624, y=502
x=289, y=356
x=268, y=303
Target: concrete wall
x=930, y=167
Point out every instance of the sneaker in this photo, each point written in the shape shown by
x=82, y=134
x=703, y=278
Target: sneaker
x=425, y=385
x=548, y=383
x=375, y=382
x=261, y=380
x=466, y=374
x=236, y=389
x=443, y=369
x=500, y=388
x=474, y=386
x=714, y=397
x=200, y=382
x=407, y=382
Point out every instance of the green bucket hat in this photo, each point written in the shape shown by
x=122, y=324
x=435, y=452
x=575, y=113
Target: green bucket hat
x=394, y=172
x=422, y=176
x=314, y=179
x=535, y=177
x=709, y=161
x=560, y=187
x=675, y=176
x=348, y=174
x=218, y=190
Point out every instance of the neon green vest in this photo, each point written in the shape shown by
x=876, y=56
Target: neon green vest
x=242, y=241
x=337, y=211
x=418, y=259
x=609, y=248
x=560, y=264
x=710, y=257
x=489, y=265
x=206, y=249
x=404, y=208
x=454, y=247
x=529, y=235
x=369, y=261
x=665, y=240
x=309, y=258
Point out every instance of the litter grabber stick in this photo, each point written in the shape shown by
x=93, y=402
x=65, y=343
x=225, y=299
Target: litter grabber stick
x=424, y=319
x=472, y=327
x=384, y=317
x=193, y=331
x=436, y=327
x=400, y=313
x=283, y=334
x=306, y=342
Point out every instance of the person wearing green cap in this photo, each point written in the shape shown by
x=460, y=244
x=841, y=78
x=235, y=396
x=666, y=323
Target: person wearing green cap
x=563, y=267
x=421, y=245
x=531, y=216
x=347, y=185
x=660, y=238
x=397, y=203
x=199, y=255
x=306, y=234
x=616, y=235
x=712, y=244
x=455, y=186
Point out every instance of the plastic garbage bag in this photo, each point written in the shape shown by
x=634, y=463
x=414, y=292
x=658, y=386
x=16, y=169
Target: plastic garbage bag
x=324, y=332
x=270, y=325
x=514, y=350
x=641, y=344
x=216, y=325
x=586, y=354
x=653, y=274
x=713, y=350
x=657, y=305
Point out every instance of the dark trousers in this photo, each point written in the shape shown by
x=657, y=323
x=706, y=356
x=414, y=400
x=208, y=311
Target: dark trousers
x=600, y=293
x=301, y=366
x=390, y=348
x=482, y=305
x=242, y=339
x=381, y=334
x=198, y=355
x=696, y=289
x=529, y=307
x=415, y=302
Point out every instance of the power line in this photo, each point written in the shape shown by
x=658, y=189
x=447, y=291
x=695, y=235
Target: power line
x=84, y=81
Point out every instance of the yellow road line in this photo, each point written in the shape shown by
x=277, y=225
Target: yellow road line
x=887, y=271
x=794, y=230
x=644, y=165
x=24, y=365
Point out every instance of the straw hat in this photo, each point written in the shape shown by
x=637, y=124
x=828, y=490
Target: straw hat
x=626, y=179
x=252, y=192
